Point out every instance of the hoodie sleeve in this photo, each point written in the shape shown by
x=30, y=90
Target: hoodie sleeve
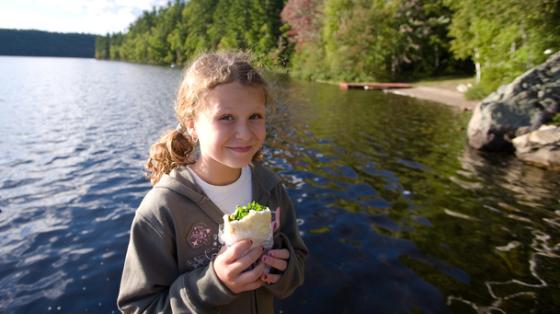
x=151, y=282
x=288, y=237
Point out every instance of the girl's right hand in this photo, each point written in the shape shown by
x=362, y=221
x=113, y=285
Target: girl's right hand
x=232, y=263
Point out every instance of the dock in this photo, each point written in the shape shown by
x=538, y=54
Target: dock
x=373, y=86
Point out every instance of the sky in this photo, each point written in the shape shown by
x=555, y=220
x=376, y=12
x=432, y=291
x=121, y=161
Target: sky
x=73, y=16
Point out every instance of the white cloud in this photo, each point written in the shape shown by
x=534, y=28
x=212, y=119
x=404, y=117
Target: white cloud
x=95, y=16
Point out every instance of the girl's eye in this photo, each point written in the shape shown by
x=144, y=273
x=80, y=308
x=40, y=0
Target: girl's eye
x=256, y=116
x=226, y=117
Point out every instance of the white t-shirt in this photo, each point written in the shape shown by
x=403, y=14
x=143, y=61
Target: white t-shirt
x=226, y=197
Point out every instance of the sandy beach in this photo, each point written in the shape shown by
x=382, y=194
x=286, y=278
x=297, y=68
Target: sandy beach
x=441, y=95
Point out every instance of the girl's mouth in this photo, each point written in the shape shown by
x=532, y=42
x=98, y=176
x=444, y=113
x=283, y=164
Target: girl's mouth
x=241, y=149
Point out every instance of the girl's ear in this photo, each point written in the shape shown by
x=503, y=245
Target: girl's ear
x=191, y=129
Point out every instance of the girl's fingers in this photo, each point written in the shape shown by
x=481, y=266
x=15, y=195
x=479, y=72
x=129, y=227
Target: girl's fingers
x=247, y=260
x=276, y=223
x=237, y=250
x=279, y=253
x=270, y=278
x=251, y=276
x=277, y=263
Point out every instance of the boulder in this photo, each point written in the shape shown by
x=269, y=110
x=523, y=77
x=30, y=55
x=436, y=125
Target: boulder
x=529, y=101
x=540, y=147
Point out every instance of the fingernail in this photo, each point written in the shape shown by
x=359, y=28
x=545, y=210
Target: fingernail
x=264, y=258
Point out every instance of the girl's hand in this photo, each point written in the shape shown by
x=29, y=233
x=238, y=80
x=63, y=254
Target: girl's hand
x=232, y=263
x=277, y=259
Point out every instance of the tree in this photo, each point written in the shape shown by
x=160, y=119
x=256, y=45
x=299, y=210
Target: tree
x=303, y=28
x=359, y=39
x=303, y=16
x=502, y=50
x=102, y=47
x=423, y=48
x=197, y=20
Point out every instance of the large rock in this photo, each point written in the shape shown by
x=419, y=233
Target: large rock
x=529, y=101
x=541, y=147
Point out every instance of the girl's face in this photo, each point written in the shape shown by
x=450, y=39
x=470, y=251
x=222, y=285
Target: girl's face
x=231, y=126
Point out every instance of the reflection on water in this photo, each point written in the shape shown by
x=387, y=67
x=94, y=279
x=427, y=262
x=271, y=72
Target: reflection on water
x=528, y=187
x=404, y=217
x=400, y=215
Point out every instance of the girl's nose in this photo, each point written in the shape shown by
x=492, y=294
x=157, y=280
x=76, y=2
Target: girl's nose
x=243, y=131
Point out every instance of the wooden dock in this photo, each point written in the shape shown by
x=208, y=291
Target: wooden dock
x=373, y=86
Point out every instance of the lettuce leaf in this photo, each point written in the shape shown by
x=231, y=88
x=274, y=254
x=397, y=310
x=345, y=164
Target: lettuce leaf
x=242, y=211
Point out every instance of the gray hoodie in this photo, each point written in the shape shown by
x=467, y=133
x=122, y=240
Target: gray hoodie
x=173, y=242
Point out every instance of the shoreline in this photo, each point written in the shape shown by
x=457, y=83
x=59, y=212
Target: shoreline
x=440, y=95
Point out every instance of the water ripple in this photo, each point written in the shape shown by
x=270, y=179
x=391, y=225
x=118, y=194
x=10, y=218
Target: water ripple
x=399, y=214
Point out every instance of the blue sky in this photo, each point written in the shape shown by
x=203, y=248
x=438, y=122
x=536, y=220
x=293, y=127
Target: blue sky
x=80, y=16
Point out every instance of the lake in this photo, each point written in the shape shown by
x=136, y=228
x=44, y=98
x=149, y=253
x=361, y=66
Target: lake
x=399, y=214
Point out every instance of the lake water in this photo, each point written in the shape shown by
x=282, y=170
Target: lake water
x=400, y=216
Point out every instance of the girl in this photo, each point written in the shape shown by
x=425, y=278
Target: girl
x=174, y=261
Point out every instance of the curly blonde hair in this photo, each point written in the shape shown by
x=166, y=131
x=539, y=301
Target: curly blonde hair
x=176, y=147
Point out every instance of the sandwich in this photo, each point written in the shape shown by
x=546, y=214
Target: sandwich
x=252, y=221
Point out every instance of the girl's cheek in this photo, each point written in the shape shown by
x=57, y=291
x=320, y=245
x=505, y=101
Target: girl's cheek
x=225, y=126
x=260, y=133
x=258, y=126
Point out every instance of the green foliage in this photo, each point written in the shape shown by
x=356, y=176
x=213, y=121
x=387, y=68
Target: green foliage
x=248, y=25
x=423, y=46
x=180, y=31
x=359, y=40
x=355, y=43
x=195, y=34
x=352, y=40
x=556, y=119
x=373, y=40
x=304, y=41
x=483, y=31
x=308, y=62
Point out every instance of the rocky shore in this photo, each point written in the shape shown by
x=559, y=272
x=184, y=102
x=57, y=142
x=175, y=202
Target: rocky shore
x=516, y=117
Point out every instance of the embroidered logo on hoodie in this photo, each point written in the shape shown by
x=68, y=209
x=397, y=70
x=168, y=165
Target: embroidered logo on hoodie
x=200, y=235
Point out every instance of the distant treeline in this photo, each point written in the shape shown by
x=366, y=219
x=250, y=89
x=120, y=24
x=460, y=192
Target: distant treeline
x=354, y=40
x=39, y=43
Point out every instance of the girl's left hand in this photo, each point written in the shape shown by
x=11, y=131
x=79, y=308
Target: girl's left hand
x=277, y=259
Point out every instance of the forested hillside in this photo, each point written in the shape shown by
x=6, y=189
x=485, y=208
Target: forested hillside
x=173, y=34
x=39, y=43
x=358, y=40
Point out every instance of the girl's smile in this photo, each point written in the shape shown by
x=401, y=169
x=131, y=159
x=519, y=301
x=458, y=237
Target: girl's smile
x=242, y=149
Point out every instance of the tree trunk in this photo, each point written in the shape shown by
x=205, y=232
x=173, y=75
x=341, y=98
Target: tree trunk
x=477, y=65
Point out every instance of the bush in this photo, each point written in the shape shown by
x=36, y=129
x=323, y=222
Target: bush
x=556, y=119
